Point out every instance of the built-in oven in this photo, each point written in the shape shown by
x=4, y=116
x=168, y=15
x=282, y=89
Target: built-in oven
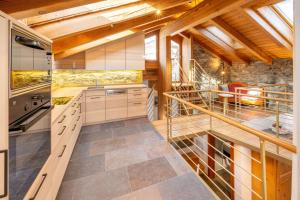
x=31, y=60
x=29, y=110
x=29, y=138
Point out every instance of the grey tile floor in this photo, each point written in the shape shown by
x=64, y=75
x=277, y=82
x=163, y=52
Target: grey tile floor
x=128, y=160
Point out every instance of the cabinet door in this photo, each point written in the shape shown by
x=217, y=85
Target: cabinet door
x=95, y=109
x=135, y=51
x=115, y=56
x=95, y=58
x=4, y=108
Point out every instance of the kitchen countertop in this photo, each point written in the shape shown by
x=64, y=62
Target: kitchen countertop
x=58, y=110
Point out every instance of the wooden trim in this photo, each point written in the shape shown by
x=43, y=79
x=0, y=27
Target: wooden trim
x=211, y=156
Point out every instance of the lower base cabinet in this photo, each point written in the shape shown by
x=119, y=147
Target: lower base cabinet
x=47, y=185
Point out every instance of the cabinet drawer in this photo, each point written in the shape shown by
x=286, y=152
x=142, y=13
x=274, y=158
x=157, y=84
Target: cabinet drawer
x=137, y=102
x=90, y=93
x=137, y=90
x=116, y=113
x=137, y=95
x=92, y=99
x=137, y=110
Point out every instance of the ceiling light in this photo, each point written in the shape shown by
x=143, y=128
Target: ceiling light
x=158, y=12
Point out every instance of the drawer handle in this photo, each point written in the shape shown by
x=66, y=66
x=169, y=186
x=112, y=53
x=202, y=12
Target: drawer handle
x=136, y=90
x=73, y=105
x=137, y=94
x=62, y=152
x=63, y=130
x=96, y=97
x=5, y=168
x=78, y=118
x=74, y=127
x=63, y=119
x=44, y=176
x=74, y=112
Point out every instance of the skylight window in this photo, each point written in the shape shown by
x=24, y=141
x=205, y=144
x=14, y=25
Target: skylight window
x=286, y=9
x=224, y=37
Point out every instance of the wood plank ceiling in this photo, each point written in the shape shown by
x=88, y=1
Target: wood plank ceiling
x=234, y=30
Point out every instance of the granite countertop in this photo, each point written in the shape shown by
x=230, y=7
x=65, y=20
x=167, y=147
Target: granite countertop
x=58, y=110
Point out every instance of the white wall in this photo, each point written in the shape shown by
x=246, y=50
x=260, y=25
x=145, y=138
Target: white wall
x=296, y=137
x=245, y=164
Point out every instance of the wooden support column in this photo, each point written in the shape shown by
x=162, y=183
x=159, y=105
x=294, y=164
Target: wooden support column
x=296, y=79
x=210, y=160
x=165, y=70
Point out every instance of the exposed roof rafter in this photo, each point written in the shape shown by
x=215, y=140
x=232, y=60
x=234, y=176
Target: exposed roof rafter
x=234, y=34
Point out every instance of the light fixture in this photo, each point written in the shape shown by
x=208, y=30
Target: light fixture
x=158, y=12
x=223, y=72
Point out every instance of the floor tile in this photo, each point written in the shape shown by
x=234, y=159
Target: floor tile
x=149, y=172
x=125, y=157
x=81, y=150
x=117, y=124
x=103, y=185
x=178, y=164
x=94, y=136
x=124, y=131
x=149, y=137
x=185, y=187
x=148, y=193
x=91, y=128
x=106, y=145
x=84, y=167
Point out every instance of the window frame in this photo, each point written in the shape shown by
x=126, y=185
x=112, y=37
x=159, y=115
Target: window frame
x=153, y=64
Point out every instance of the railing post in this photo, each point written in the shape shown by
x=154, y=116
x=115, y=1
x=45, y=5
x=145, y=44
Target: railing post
x=263, y=169
x=210, y=108
x=277, y=122
x=169, y=119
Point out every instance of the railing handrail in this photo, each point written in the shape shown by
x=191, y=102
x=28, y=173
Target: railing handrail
x=260, y=134
x=249, y=95
x=203, y=70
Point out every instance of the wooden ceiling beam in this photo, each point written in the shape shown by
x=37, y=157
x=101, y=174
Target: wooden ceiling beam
x=74, y=40
x=254, y=18
x=20, y=9
x=196, y=35
x=203, y=12
x=237, y=36
x=220, y=43
x=35, y=22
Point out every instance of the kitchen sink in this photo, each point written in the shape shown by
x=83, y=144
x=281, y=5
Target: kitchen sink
x=61, y=100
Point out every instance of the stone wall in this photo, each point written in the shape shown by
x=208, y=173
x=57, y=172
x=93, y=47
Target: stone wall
x=281, y=71
x=211, y=64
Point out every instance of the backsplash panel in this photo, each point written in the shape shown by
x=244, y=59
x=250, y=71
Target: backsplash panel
x=77, y=78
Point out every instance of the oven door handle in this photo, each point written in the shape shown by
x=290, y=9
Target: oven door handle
x=5, y=167
x=24, y=125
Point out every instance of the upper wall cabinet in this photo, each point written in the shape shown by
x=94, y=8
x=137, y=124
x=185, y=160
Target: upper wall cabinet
x=135, y=52
x=115, y=56
x=76, y=61
x=95, y=58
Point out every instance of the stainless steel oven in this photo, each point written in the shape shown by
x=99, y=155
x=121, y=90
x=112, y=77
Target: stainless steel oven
x=29, y=110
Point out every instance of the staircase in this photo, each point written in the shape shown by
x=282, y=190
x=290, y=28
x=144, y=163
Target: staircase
x=198, y=79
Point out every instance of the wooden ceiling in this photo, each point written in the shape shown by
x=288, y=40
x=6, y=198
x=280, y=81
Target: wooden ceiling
x=234, y=30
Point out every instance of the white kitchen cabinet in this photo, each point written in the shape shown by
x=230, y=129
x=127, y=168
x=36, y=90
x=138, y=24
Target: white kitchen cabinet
x=116, y=105
x=115, y=55
x=94, y=106
x=135, y=53
x=95, y=58
x=4, y=105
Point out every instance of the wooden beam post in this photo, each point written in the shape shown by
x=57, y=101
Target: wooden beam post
x=296, y=106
